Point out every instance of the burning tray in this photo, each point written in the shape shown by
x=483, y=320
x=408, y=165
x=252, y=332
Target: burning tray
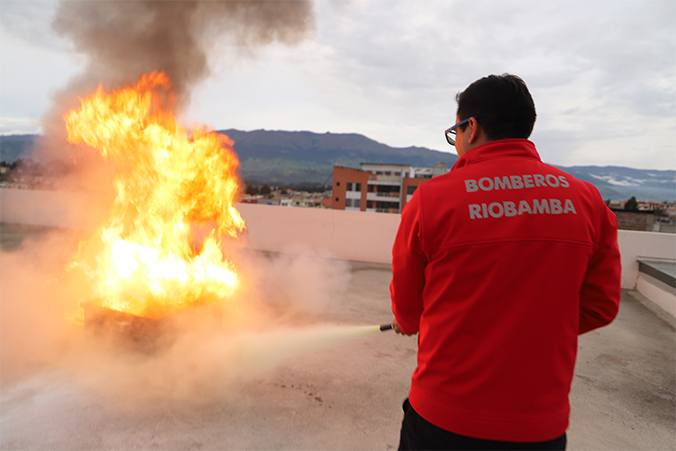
x=146, y=334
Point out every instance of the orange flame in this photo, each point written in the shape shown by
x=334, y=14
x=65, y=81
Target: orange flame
x=169, y=181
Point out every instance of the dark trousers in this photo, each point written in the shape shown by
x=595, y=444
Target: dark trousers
x=419, y=434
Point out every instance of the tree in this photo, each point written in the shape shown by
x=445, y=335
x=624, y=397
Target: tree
x=631, y=204
x=265, y=190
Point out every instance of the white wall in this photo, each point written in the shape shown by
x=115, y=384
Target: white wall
x=642, y=244
x=659, y=293
x=350, y=235
x=342, y=234
x=634, y=245
x=54, y=208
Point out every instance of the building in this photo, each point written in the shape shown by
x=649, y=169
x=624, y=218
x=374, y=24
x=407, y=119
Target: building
x=379, y=187
x=635, y=220
x=650, y=216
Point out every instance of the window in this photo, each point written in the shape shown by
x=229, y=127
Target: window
x=372, y=189
x=337, y=183
x=337, y=199
x=388, y=190
x=369, y=204
x=349, y=187
x=410, y=189
x=348, y=202
x=387, y=207
x=357, y=203
x=397, y=173
x=358, y=186
x=388, y=172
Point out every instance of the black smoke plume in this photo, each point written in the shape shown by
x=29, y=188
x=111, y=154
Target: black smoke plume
x=123, y=39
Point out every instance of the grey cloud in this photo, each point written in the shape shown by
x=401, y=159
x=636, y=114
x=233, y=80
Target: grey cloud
x=29, y=21
x=605, y=56
x=123, y=39
x=630, y=49
x=390, y=69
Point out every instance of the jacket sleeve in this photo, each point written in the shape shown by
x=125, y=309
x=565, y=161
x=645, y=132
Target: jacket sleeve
x=601, y=290
x=408, y=267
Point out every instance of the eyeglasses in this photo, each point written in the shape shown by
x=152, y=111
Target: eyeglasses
x=450, y=132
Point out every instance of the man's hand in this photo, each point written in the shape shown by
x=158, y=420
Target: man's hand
x=397, y=329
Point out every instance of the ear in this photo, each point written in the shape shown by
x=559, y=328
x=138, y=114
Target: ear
x=474, y=130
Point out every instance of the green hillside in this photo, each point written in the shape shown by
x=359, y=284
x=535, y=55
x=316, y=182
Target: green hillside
x=13, y=147
x=296, y=158
x=293, y=157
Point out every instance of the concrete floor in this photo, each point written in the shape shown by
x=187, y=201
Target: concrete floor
x=344, y=394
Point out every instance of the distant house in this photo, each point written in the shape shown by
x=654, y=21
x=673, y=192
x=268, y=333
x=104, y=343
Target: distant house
x=327, y=202
x=293, y=199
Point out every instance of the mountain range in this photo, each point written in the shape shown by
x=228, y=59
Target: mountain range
x=295, y=158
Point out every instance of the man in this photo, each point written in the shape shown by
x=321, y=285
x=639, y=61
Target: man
x=499, y=265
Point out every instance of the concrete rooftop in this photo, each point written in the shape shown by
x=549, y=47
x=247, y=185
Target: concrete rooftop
x=346, y=396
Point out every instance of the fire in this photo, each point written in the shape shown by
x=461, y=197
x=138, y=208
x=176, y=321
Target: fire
x=172, y=185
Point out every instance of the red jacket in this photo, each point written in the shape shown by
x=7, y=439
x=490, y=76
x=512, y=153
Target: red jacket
x=499, y=265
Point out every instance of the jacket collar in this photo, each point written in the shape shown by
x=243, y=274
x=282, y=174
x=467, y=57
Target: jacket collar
x=502, y=148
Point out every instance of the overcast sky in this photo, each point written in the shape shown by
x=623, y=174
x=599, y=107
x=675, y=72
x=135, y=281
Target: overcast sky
x=602, y=73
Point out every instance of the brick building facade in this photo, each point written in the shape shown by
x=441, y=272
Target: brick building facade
x=635, y=220
x=376, y=187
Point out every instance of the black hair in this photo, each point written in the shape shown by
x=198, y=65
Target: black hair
x=506, y=103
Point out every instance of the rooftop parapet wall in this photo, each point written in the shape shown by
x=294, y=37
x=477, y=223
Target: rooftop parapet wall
x=71, y=210
x=349, y=235
x=342, y=234
x=635, y=245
